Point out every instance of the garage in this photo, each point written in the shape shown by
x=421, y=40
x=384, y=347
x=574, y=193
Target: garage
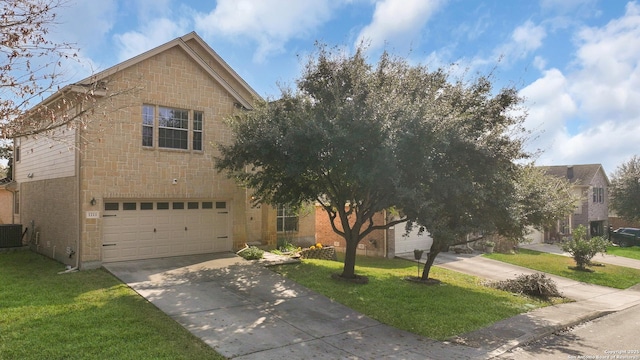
x=406, y=243
x=145, y=229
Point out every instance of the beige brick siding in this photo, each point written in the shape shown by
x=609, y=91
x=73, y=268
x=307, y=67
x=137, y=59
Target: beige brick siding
x=115, y=165
x=51, y=213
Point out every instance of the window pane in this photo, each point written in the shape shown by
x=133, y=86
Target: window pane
x=111, y=206
x=197, y=120
x=162, y=206
x=221, y=205
x=129, y=206
x=193, y=205
x=174, y=139
x=197, y=140
x=16, y=202
x=173, y=118
x=147, y=115
x=147, y=135
x=207, y=205
x=146, y=206
x=178, y=205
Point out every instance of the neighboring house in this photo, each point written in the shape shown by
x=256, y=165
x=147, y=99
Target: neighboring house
x=382, y=243
x=141, y=183
x=590, y=183
x=7, y=201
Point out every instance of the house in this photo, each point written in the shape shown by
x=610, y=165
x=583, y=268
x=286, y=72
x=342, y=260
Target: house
x=8, y=204
x=589, y=183
x=138, y=181
x=381, y=243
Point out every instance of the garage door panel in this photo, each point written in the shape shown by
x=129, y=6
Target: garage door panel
x=149, y=233
x=414, y=240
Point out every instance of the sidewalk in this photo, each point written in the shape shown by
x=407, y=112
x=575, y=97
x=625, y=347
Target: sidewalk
x=603, y=258
x=592, y=301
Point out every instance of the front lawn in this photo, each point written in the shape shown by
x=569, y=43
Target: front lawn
x=82, y=315
x=628, y=252
x=458, y=305
x=607, y=275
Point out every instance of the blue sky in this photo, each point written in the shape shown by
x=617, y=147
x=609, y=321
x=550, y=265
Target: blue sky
x=577, y=62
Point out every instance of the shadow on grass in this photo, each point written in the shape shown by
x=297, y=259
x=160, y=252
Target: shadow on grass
x=457, y=305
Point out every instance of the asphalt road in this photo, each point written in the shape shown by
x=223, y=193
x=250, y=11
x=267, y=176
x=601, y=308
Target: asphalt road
x=615, y=336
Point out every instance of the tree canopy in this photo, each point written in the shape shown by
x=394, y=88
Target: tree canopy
x=359, y=138
x=624, y=192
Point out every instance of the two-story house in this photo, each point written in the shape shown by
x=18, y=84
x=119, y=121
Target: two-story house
x=139, y=181
x=589, y=183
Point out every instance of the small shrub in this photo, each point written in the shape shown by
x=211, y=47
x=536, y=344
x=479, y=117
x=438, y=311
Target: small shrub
x=251, y=253
x=583, y=250
x=538, y=285
x=285, y=246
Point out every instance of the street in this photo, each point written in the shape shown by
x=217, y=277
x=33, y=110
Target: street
x=614, y=336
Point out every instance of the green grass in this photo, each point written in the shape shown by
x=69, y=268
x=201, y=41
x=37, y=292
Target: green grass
x=628, y=252
x=458, y=305
x=82, y=315
x=608, y=275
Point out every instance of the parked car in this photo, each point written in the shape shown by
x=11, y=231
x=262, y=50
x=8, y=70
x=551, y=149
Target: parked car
x=625, y=237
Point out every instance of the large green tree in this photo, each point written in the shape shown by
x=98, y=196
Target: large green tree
x=330, y=141
x=624, y=192
x=358, y=139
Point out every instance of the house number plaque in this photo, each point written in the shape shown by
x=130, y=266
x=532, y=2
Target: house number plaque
x=93, y=214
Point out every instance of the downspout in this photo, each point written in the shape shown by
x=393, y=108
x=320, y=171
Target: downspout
x=78, y=197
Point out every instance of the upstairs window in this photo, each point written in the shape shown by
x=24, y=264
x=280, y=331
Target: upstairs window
x=173, y=128
x=197, y=130
x=148, y=116
x=598, y=195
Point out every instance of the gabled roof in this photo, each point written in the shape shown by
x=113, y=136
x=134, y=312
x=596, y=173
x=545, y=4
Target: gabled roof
x=182, y=42
x=581, y=175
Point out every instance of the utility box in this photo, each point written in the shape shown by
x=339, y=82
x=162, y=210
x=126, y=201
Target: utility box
x=10, y=235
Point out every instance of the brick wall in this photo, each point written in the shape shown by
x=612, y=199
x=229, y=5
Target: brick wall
x=372, y=245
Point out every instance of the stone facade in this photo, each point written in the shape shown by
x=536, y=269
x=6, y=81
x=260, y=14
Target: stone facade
x=112, y=164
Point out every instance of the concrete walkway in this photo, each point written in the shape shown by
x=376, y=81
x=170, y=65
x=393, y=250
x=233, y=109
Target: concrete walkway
x=600, y=258
x=592, y=301
x=246, y=311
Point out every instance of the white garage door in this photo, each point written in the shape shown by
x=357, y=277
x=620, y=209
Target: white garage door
x=412, y=241
x=153, y=229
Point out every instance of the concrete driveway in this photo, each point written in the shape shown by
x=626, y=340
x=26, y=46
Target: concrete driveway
x=245, y=311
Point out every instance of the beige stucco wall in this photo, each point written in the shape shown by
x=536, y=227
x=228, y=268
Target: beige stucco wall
x=51, y=213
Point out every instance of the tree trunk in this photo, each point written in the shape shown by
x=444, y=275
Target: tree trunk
x=427, y=266
x=348, y=271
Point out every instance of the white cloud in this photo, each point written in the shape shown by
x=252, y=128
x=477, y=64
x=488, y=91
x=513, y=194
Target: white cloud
x=549, y=103
x=600, y=91
x=608, y=81
x=398, y=21
x=525, y=39
x=152, y=34
x=269, y=23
